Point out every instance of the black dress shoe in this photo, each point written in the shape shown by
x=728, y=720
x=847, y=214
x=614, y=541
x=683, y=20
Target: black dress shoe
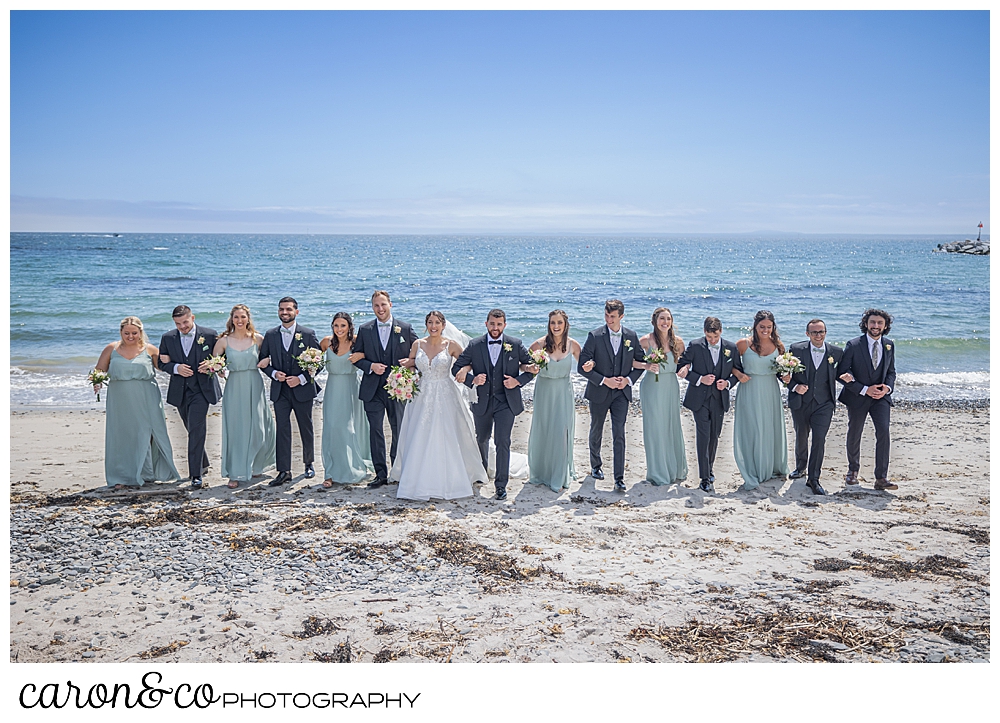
x=706, y=486
x=501, y=494
x=280, y=479
x=596, y=473
x=797, y=474
x=619, y=485
x=816, y=487
x=196, y=483
x=310, y=472
x=711, y=478
x=378, y=482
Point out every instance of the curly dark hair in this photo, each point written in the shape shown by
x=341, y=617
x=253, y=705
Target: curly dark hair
x=335, y=342
x=755, y=337
x=869, y=313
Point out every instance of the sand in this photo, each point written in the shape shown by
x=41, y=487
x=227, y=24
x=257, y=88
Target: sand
x=776, y=574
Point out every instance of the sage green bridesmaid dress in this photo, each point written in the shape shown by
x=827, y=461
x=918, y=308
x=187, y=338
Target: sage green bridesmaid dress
x=248, y=429
x=666, y=460
x=136, y=445
x=759, y=443
x=347, y=456
x=553, y=423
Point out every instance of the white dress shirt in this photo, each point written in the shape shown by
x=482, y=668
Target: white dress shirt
x=616, y=344
x=287, y=335
x=714, y=351
x=817, y=355
x=494, y=349
x=881, y=351
x=384, y=331
x=187, y=341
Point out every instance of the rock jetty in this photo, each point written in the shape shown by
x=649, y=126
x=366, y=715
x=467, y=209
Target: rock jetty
x=976, y=248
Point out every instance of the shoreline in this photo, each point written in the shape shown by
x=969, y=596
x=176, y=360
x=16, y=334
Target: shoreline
x=297, y=574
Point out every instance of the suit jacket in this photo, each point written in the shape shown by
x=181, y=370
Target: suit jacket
x=201, y=349
x=368, y=342
x=699, y=356
x=284, y=361
x=477, y=353
x=858, y=361
x=811, y=377
x=598, y=347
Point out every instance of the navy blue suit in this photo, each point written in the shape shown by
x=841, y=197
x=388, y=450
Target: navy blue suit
x=857, y=361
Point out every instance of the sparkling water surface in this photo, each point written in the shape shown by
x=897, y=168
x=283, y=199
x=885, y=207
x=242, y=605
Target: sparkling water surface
x=70, y=291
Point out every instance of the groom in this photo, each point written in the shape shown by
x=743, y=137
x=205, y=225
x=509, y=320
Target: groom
x=385, y=342
x=183, y=351
x=496, y=361
x=710, y=377
x=292, y=389
x=612, y=347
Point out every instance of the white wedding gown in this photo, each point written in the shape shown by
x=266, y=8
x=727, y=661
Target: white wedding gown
x=437, y=454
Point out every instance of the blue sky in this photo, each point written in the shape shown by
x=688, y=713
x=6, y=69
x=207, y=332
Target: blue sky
x=601, y=122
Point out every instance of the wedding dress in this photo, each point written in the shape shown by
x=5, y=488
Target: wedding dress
x=438, y=455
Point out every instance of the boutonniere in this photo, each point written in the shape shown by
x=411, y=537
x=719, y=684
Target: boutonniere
x=726, y=353
x=628, y=343
x=508, y=347
x=888, y=347
x=201, y=340
x=397, y=330
x=298, y=337
x=829, y=359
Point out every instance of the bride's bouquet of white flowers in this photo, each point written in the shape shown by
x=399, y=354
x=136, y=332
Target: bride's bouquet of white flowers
x=540, y=357
x=215, y=365
x=311, y=360
x=656, y=355
x=98, y=379
x=787, y=363
x=402, y=384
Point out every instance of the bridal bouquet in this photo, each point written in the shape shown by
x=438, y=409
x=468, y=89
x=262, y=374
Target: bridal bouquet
x=98, y=379
x=539, y=357
x=402, y=384
x=787, y=363
x=656, y=355
x=215, y=365
x=311, y=360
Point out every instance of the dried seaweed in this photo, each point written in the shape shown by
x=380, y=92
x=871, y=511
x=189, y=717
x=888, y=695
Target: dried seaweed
x=186, y=516
x=597, y=501
x=313, y=626
x=457, y=548
x=904, y=570
x=304, y=523
x=230, y=615
x=831, y=564
x=341, y=654
x=814, y=586
x=385, y=628
x=164, y=650
x=386, y=655
x=778, y=635
x=590, y=587
x=263, y=654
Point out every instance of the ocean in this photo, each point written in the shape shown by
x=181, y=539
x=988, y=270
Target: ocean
x=70, y=291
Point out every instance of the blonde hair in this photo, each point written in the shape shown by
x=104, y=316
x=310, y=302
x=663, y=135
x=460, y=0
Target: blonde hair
x=137, y=322
x=231, y=327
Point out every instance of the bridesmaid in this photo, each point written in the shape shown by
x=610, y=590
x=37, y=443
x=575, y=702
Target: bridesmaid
x=666, y=460
x=136, y=446
x=759, y=444
x=248, y=430
x=347, y=457
x=553, y=418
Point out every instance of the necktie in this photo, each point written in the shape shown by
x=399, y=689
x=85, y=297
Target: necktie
x=875, y=347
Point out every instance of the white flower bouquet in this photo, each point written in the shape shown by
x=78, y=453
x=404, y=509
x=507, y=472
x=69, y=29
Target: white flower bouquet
x=539, y=357
x=215, y=365
x=98, y=379
x=656, y=355
x=402, y=384
x=787, y=363
x=311, y=360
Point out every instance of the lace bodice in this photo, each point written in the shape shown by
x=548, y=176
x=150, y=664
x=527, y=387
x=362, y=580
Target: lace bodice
x=436, y=369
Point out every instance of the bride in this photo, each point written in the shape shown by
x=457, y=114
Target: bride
x=438, y=455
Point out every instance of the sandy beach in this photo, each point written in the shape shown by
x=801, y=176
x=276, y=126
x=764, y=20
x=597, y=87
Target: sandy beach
x=300, y=574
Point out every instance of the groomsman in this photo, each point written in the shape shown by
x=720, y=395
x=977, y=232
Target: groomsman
x=292, y=389
x=812, y=398
x=612, y=348
x=496, y=361
x=870, y=362
x=183, y=351
x=385, y=342
x=712, y=360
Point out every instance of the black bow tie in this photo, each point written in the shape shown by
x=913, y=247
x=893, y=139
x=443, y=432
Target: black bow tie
x=495, y=341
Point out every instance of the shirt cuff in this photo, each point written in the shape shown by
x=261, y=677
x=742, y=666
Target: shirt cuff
x=864, y=390
x=302, y=379
x=175, y=369
x=629, y=380
x=698, y=383
x=273, y=372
